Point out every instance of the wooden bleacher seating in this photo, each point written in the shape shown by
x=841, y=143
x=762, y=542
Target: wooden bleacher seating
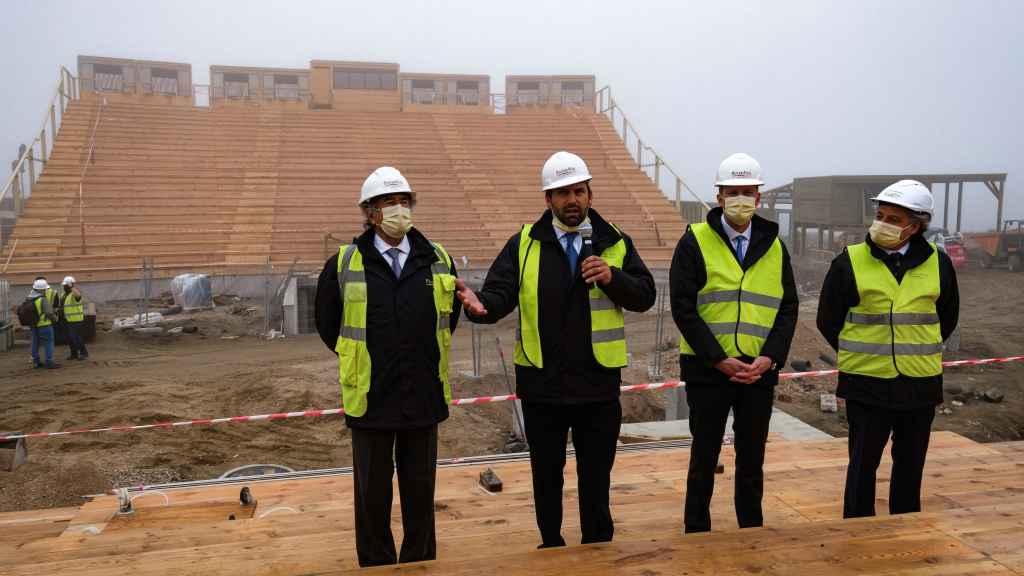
x=218, y=190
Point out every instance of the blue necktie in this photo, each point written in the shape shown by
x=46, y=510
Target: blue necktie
x=570, y=251
x=396, y=266
x=739, y=248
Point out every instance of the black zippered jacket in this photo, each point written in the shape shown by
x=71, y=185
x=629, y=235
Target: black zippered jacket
x=571, y=374
x=405, y=391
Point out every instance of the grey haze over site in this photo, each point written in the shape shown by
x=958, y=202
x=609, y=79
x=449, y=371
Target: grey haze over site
x=809, y=88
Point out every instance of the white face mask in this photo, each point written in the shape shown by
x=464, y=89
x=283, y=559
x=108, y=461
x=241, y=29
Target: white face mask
x=739, y=209
x=886, y=235
x=396, y=220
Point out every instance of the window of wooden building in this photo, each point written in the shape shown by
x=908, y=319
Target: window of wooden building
x=108, y=77
x=528, y=92
x=572, y=93
x=165, y=81
x=364, y=79
x=236, y=85
x=467, y=92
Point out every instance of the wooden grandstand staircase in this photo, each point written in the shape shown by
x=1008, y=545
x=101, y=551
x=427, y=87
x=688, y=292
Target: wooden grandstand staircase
x=219, y=190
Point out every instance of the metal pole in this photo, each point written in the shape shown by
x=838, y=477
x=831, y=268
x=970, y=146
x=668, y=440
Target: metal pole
x=63, y=82
x=508, y=383
x=679, y=195
x=945, y=210
x=657, y=172
x=266, y=297
x=81, y=215
x=42, y=144
x=659, y=330
x=475, y=344
x=959, y=205
x=640, y=152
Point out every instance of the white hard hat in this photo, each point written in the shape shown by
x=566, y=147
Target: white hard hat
x=383, y=181
x=739, y=170
x=68, y=280
x=40, y=285
x=563, y=169
x=909, y=194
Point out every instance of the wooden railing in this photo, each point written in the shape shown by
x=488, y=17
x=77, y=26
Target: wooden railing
x=17, y=186
x=608, y=106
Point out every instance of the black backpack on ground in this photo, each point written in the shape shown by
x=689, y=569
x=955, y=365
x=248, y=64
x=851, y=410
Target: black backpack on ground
x=28, y=316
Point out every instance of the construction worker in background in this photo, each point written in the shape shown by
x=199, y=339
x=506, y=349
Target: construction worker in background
x=887, y=305
x=571, y=274
x=73, y=312
x=42, y=333
x=386, y=306
x=51, y=296
x=735, y=303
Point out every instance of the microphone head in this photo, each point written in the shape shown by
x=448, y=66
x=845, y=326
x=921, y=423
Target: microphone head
x=586, y=231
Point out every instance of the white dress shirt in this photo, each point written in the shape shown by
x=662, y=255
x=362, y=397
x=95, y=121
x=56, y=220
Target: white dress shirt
x=577, y=242
x=733, y=234
x=902, y=251
x=383, y=247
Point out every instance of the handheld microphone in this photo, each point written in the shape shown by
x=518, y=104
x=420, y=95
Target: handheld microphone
x=586, y=233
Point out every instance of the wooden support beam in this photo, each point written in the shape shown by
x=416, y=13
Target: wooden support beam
x=31, y=170
x=999, y=204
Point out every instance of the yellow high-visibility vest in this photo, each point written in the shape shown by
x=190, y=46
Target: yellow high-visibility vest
x=353, y=356
x=74, y=308
x=895, y=328
x=607, y=323
x=43, y=320
x=739, y=306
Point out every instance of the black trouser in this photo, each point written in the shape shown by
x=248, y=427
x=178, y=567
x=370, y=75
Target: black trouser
x=374, y=455
x=76, y=342
x=870, y=427
x=709, y=409
x=595, y=432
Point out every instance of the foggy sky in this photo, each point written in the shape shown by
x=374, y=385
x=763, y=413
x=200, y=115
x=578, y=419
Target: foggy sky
x=809, y=88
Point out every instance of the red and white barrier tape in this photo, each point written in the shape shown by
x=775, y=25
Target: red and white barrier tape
x=456, y=402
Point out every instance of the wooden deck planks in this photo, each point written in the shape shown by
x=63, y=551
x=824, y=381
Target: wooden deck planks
x=973, y=497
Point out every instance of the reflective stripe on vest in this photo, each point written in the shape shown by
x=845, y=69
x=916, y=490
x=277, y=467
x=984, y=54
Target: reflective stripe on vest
x=43, y=320
x=739, y=307
x=74, y=309
x=353, y=356
x=895, y=329
x=607, y=323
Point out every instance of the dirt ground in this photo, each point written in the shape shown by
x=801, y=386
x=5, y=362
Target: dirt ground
x=226, y=369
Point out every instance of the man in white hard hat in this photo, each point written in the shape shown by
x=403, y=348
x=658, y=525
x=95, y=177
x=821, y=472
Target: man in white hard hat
x=73, y=311
x=386, y=305
x=571, y=274
x=887, y=306
x=42, y=332
x=735, y=303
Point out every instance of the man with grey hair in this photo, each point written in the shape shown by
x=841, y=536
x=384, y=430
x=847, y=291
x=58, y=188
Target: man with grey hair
x=385, y=304
x=887, y=305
